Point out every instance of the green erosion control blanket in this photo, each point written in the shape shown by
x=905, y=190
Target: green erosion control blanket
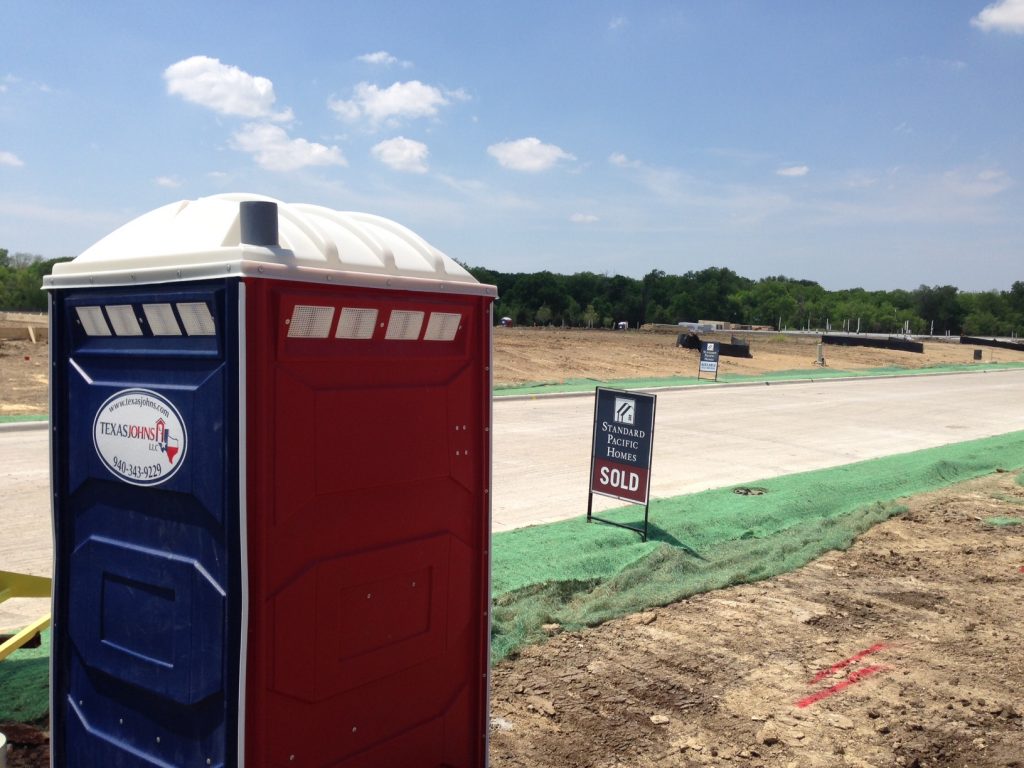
x=24, y=683
x=588, y=385
x=19, y=419
x=575, y=574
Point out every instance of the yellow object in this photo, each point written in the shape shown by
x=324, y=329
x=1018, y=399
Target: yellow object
x=21, y=585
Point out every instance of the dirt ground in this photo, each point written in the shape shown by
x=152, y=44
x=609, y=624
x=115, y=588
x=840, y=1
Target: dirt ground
x=24, y=377
x=903, y=651
x=527, y=355
x=534, y=355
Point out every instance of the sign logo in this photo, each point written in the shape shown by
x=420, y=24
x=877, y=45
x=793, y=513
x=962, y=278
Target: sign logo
x=625, y=410
x=140, y=437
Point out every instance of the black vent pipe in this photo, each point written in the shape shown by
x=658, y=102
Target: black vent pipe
x=258, y=222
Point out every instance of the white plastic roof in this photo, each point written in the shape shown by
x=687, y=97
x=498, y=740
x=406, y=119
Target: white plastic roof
x=199, y=239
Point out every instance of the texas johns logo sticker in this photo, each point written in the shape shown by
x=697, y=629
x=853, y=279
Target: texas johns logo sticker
x=140, y=437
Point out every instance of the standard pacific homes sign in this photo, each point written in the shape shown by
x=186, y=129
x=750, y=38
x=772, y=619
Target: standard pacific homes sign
x=709, y=351
x=620, y=462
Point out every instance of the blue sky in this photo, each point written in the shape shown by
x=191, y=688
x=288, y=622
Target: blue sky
x=875, y=143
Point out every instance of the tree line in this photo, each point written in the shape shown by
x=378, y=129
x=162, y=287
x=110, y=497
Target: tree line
x=21, y=281
x=591, y=300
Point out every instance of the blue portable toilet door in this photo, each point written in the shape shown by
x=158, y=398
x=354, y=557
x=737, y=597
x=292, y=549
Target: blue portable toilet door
x=146, y=522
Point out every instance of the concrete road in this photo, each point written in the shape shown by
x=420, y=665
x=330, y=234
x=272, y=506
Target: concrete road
x=710, y=437
x=705, y=437
x=26, y=543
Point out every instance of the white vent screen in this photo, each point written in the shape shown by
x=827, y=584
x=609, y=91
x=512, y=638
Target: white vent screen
x=442, y=326
x=93, y=321
x=356, y=323
x=196, y=318
x=122, y=317
x=404, y=326
x=310, y=322
x=161, y=319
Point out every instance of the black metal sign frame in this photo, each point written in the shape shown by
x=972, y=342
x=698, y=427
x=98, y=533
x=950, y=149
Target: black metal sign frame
x=621, y=451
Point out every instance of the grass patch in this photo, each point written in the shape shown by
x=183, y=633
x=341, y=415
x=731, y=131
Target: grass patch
x=25, y=683
x=1003, y=522
x=23, y=417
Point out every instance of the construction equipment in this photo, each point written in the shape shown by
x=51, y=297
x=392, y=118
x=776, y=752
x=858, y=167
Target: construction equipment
x=23, y=585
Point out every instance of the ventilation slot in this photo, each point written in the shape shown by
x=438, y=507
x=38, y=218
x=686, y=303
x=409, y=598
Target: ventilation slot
x=404, y=326
x=310, y=322
x=93, y=321
x=161, y=319
x=196, y=318
x=356, y=323
x=122, y=317
x=442, y=326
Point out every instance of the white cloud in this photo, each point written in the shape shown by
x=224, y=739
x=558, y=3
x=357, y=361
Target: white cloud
x=102, y=221
x=225, y=89
x=408, y=100
x=583, y=218
x=465, y=186
x=860, y=180
x=621, y=161
x=167, y=182
x=382, y=58
x=402, y=154
x=348, y=111
x=274, y=150
x=664, y=182
x=793, y=171
x=1001, y=16
x=976, y=185
x=617, y=23
x=12, y=80
x=529, y=155
x=11, y=160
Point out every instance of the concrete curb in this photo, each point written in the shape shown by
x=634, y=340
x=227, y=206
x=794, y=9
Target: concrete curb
x=24, y=426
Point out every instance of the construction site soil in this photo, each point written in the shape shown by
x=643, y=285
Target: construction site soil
x=553, y=355
x=904, y=650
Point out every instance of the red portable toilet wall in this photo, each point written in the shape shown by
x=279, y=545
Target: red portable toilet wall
x=362, y=406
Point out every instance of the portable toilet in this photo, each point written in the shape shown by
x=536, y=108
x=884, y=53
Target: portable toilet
x=271, y=464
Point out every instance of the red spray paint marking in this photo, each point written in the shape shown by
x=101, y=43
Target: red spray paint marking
x=1021, y=569
x=846, y=662
x=855, y=677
